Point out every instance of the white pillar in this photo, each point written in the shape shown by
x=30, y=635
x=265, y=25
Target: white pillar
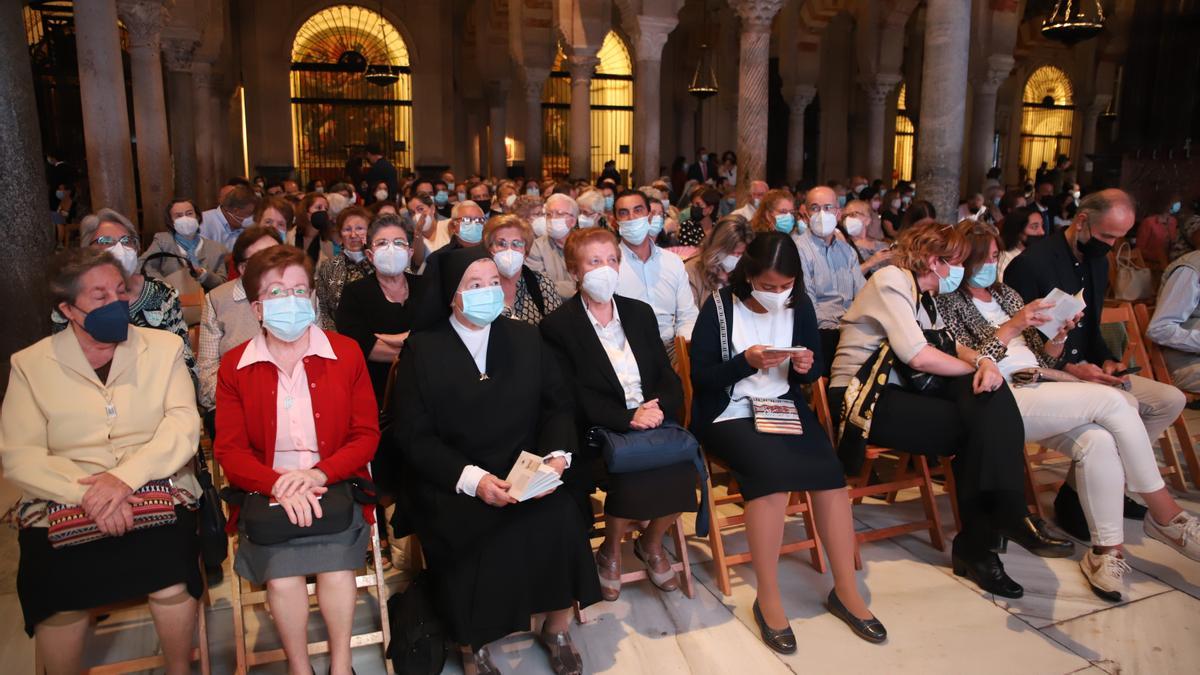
x=943, y=103
x=581, y=67
x=206, y=133
x=534, y=82
x=877, y=90
x=798, y=99
x=144, y=20
x=983, y=119
x=497, y=96
x=651, y=35
x=753, y=59
x=105, y=113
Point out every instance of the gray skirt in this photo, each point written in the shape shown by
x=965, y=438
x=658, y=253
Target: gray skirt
x=346, y=550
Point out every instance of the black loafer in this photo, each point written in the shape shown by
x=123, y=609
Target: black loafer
x=782, y=641
x=1134, y=510
x=1033, y=535
x=870, y=629
x=1068, y=514
x=986, y=570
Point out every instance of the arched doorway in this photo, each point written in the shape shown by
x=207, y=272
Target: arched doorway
x=1047, y=117
x=335, y=110
x=906, y=134
x=611, y=106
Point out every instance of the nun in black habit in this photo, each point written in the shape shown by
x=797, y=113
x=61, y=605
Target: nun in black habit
x=472, y=392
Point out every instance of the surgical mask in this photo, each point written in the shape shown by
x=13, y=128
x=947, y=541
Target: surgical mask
x=509, y=262
x=587, y=221
x=533, y=192
x=288, y=318
x=854, y=225
x=108, y=324
x=509, y=201
x=1077, y=193
x=755, y=202
x=996, y=201
x=907, y=199
x=895, y=204
x=950, y=282
x=876, y=204
x=1175, y=207
x=634, y=231
x=126, y=256
x=539, y=225
x=470, y=231
x=666, y=205
x=729, y=262
x=823, y=223
x=841, y=201
x=381, y=195
x=462, y=196
x=320, y=189
x=60, y=195
x=984, y=277
x=559, y=228
x=441, y=197
x=449, y=185
x=390, y=260
x=482, y=305
x=186, y=225
x=772, y=302
x=785, y=222
x=859, y=188
x=600, y=283
x=356, y=256
x=248, y=221
x=656, y=226
x=608, y=202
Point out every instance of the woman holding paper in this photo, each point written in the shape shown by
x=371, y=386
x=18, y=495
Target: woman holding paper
x=479, y=390
x=748, y=345
x=1098, y=426
x=623, y=382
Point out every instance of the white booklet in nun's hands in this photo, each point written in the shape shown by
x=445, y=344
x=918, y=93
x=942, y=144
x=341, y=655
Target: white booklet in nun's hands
x=530, y=477
x=1064, y=309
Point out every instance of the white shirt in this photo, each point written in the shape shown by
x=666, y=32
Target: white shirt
x=440, y=236
x=751, y=328
x=1002, y=262
x=1019, y=355
x=746, y=211
x=1173, y=325
x=661, y=282
x=620, y=355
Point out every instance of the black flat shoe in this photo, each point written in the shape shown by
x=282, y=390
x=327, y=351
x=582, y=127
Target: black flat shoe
x=1134, y=510
x=986, y=570
x=870, y=629
x=1068, y=514
x=782, y=641
x=1033, y=535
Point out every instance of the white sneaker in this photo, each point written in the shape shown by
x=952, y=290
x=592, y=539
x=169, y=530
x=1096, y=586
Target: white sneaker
x=1181, y=534
x=1105, y=573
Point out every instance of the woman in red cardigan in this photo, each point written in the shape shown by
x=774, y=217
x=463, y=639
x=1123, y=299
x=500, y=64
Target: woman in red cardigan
x=295, y=414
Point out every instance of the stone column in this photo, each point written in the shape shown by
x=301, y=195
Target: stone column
x=206, y=140
x=943, y=104
x=534, y=82
x=753, y=56
x=144, y=20
x=649, y=38
x=983, y=119
x=581, y=66
x=181, y=112
x=1088, y=146
x=105, y=113
x=497, y=95
x=25, y=220
x=877, y=89
x=798, y=99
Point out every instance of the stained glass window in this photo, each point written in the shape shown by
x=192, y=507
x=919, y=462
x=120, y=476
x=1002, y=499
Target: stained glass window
x=906, y=133
x=1047, y=117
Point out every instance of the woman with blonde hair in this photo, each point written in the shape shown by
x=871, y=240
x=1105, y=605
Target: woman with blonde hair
x=777, y=212
x=709, y=270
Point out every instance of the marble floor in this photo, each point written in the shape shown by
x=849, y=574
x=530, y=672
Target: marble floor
x=937, y=622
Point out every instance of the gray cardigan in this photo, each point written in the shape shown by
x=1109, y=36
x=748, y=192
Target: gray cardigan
x=212, y=258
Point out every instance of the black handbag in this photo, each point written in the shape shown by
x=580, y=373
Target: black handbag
x=918, y=381
x=267, y=524
x=642, y=449
x=419, y=638
x=214, y=542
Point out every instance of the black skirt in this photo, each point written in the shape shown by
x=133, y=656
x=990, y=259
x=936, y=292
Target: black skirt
x=653, y=493
x=766, y=464
x=107, y=571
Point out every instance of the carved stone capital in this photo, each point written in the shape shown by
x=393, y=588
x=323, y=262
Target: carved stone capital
x=581, y=66
x=144, y=20
x=999, y=67
x=879, y=87
x=799, y=96
x=533, y=81
x=650, y=35
x=179, y=53
x=756, y=15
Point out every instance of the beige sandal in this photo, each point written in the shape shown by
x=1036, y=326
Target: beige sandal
x=564, y=657
x=610, y=586
x=667, y=580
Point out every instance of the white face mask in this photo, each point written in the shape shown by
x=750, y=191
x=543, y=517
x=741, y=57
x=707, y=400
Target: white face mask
x=509, y=262
x=587, y=221
x=895, y=204
x=729, y=262
x=381, y=195
x=126, y=256
x=772, y=302
x=186, y=225
x=822, y=224
x=509, y=201
x=539, y=226
x=559, y=228
x=356, y=256
x=600, y=283
x=854, y=226
x=390, y=261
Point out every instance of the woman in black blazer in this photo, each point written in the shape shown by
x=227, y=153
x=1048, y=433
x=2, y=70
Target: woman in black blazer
x=623, y=381
x=765, y=307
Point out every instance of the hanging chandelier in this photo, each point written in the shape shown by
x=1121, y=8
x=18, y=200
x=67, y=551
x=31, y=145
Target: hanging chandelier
x=1074, y=21
x=704, y=80
x=381, y=74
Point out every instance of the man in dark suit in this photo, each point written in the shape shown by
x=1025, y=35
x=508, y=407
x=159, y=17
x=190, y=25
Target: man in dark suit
x=1074, y=259
x=381, y=171
x=1046, y=203
x=703, y=169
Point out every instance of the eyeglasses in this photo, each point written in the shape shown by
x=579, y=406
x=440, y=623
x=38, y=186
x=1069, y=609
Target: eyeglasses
x=473, y=221
x=827, y=208
x=514, y=244
x=384, y=243
x=106, y=241
x=280, y=292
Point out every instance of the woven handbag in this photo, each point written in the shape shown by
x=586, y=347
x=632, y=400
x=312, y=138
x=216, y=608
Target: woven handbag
x=70, y=526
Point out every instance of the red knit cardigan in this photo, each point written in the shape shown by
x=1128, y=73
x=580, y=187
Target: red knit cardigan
x=344, y=411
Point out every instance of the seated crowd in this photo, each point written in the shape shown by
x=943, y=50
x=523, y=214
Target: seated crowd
x=426, y=335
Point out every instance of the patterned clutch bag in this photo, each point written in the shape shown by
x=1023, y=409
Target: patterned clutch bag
x=70, y=526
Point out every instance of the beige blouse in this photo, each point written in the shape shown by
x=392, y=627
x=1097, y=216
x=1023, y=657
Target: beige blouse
x=885, y=308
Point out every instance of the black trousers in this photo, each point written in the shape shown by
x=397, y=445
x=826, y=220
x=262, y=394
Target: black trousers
x=983, y=432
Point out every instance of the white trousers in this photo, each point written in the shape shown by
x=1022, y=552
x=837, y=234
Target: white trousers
x=1106, y=431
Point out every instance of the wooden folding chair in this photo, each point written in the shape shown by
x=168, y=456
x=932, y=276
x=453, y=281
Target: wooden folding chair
x=799, y=503
x=243, y=599
x=1163, y=374
x=1135, y=351
x=912, y=470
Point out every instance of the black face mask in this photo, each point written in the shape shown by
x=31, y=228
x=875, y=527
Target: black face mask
x=1093, y=248
x=319, y=220
x=1031, y=239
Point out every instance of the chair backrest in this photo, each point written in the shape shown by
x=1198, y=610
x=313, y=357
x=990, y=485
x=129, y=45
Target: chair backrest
x=683, y=368
x=820, y=404
x=1135, y=350
x=1161, y=373
x=391, y=381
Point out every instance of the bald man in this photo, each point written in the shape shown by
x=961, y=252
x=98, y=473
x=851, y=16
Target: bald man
x=832, y=274
x=758, y=190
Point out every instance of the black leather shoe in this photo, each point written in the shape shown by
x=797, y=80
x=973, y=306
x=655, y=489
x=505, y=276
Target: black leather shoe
x=782, y=641
x=870, y=629
x=986, y=570
x=1134, y=510
x=1033, y=535
x=1068, y=514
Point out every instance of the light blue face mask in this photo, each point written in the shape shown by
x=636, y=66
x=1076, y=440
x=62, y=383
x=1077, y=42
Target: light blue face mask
x=951, y=281
x=785, y=222
x=635, y=231
x=441, y=197
x=482, y=305
x=608, y=202
x=841, y=201
x=1175, y=207
x=984, y=277
x=470, y=231
x=656, y=226
x=287, y=318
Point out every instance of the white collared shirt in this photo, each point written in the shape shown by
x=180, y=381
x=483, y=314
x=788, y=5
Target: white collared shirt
x=620, y=355
x=661, y=282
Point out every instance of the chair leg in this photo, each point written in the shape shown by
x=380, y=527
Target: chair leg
x=810, y=528
x=931, y=511
x=1172, y=460
x=1031, y=491
x=718, y=546
x=381, y=596
x=681, y=554
x=864, y=477
x=1189, y=450
x=901, y=469
x=239, y=621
